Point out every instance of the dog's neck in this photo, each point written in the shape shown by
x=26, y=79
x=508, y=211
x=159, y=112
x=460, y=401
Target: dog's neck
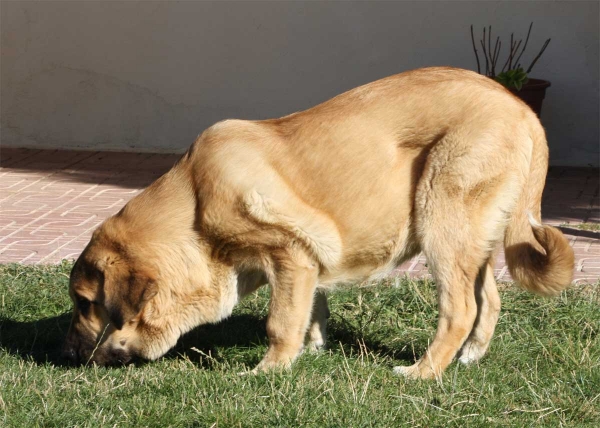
x=196, y=289
x=151, y=214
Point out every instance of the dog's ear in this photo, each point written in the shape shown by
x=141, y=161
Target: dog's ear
x=126, y=292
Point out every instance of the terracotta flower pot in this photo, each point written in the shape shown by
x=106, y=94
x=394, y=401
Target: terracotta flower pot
x=533, y=93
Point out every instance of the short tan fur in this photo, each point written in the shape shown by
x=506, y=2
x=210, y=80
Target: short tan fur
x=438, y=160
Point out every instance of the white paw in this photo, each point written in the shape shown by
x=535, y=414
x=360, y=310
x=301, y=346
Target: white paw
x=466, y=360
x=256, y=370
x=470, y=354
x=406, y=371
x=314, y=346
x=418, y=371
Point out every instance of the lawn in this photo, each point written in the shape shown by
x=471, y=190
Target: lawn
x=590, y=227
x=543, y=367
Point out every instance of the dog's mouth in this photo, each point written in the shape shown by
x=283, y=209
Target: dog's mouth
x=108, y=358
x=118, y=357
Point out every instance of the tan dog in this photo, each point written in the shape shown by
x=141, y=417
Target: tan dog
x=438, y=160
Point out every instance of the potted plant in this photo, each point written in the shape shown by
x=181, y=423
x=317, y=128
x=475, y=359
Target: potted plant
x=513, y=76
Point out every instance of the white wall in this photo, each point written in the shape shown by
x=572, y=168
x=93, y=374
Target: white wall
x=149, y=76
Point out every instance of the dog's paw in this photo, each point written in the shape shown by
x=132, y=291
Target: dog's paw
x=470, y=353
x=314, y=346
x=268, y=365
x=416, y=371
x=409, y=372
x=252, y=372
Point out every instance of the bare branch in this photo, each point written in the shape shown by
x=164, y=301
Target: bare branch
x=485, y=54
x=510, y=57
x=525, y=45
x=486, y=58
x=490, y=43
x=538, y=55
x=495, y=56
x=492, y=55
x=475, y=50
x=507, y=59
x=515, y=51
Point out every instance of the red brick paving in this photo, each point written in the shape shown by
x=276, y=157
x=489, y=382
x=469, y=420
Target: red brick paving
x=51, y=201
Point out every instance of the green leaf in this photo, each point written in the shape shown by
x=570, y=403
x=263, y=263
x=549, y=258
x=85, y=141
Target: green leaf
x=515, y=78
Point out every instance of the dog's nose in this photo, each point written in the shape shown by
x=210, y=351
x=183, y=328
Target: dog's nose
x=70, y=355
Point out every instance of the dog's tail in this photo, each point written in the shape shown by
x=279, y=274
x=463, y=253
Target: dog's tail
x=539, y=257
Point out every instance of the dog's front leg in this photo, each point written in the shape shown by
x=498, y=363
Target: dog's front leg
x=293, y=283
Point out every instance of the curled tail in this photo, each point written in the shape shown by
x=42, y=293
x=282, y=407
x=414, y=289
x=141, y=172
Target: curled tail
x=539, y=257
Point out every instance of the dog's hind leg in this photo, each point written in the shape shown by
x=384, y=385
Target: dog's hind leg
x=455, y=275
x=462, y=204
x=316, y=335
x=488, y=309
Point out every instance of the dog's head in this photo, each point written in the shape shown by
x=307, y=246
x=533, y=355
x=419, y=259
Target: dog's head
x=110, y=288
x=147, y=276
x=138, y=286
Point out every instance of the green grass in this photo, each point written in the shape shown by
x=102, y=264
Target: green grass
x=543, y=367
x=592, y=227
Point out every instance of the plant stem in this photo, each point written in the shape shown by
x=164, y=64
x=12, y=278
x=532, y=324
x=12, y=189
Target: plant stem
x=474, y=49
x=538, y=55
x=490, y=51
x=510, y=57
x=495, y=55
x=485, y=54
x=486, y=58
x=526, y=40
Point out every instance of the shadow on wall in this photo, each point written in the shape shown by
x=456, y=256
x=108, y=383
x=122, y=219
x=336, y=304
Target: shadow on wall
x=89, y=109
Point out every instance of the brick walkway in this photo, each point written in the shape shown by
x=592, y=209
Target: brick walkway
x=51, y=201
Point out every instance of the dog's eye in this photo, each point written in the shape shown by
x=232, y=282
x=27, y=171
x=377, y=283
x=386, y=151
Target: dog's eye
x=83, y=305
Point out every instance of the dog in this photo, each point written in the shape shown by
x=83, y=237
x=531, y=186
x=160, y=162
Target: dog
x=439, y=160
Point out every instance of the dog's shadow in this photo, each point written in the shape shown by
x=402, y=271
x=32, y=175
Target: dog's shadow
x=38, y=340
x=41, y=340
